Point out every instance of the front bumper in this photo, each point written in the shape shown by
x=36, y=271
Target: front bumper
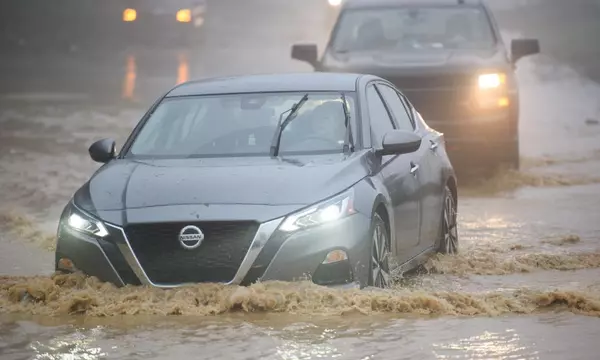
x=273, y=255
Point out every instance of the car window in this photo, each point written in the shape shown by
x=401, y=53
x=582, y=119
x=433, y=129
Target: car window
x=397, y=107
x=381, y=122
x=243, y=125
x=414, y=28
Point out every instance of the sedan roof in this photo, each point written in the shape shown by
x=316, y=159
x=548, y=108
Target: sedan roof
x=313, y=81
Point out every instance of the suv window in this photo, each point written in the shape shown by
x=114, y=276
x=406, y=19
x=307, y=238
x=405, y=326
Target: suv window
x=397, y=107
x=414, y=29
x=378, y=114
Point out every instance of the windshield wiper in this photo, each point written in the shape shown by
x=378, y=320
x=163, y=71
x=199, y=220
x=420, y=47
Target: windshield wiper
x=348, y=138
x=276, y=142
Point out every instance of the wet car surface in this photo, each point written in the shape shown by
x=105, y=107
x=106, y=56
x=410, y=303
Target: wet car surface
x=525, y=284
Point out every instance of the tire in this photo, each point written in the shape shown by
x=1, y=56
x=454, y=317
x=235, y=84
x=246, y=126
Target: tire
x=379, y=265
x=448, y=243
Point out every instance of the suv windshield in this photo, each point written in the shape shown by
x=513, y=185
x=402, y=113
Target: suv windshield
x=243, y=125
x=413, y=29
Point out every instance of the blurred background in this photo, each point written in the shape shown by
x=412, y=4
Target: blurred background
x=96, y=49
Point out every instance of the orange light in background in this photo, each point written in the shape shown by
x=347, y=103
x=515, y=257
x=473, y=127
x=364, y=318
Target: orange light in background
x=129, y=15
x=184, y=15
x=129, y=79
x=183, y=71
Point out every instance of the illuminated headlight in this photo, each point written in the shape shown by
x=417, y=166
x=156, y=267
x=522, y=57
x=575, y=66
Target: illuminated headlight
x=491, y=81
x=129, y=15
x=184, y=15
x=86, y=224
x=328, y=211
x=335, y=2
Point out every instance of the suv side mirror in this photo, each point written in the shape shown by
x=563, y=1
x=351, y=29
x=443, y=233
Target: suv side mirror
x=397, y=142
x=305, y=52
x=523, y=47
x=102, y=151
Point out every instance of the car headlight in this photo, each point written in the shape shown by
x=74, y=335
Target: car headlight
x=335, y=2
x=84, y=223
x=491, y=81
x=184, y=15
x=129, y=15
x=328, y=211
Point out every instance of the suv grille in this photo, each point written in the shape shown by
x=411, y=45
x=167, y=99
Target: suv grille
x=438, y=97
x=217, y=259
x=433, y=81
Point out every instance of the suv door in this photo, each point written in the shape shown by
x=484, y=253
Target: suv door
x=404, y=121
x=400, y=183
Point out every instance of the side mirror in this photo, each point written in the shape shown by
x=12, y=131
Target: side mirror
x=102, y=151
x=397, y=142
x=305, y=52
x=523, y=47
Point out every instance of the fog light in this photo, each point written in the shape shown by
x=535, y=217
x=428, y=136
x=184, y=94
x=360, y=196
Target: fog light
x=503, y=102
x=335, y=256
x=129, y=15
x=66, y=264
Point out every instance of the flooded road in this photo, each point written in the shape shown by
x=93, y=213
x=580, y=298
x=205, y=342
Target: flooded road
x=526, y=284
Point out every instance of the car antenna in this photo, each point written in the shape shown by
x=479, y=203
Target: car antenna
x=276, y=142
x=348, y=138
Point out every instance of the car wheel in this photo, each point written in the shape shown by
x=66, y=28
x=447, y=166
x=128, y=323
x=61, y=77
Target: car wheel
x=449, y=237
x=379, y=273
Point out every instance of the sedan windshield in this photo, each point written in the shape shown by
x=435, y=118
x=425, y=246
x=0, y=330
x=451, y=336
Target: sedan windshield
x=243, y=125
x=413, y=29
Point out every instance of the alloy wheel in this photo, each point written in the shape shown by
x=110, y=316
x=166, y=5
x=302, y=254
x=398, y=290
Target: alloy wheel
x=380, y=269
x=450, y=231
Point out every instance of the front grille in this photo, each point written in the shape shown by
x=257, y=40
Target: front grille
x=440, y=105
x=217, y=259
x=433, y=81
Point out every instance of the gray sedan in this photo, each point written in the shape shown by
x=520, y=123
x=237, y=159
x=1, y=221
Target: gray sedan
x=330, y=177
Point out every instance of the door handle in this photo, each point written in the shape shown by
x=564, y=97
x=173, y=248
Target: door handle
x=413, y=168
x=434, y=145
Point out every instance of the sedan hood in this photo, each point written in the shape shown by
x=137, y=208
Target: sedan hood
x=128, y=184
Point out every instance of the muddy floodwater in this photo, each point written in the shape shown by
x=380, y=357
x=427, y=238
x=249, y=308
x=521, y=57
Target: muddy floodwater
x=525, y=285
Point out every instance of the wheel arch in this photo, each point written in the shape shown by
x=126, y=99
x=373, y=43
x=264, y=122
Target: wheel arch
x=451, y=183
x=383, y=209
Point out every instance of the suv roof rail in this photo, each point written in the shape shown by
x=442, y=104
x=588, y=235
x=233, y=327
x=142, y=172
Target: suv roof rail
x=462, y=2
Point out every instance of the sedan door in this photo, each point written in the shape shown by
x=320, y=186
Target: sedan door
x=399, y=175
x=432, y=181
x=404, y=121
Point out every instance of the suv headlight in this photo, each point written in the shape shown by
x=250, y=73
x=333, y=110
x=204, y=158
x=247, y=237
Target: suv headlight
x=491, y=81
x=330, y=210
x=84, y=223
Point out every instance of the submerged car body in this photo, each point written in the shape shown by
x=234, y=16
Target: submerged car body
x=204, y=189
x=447, y=57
